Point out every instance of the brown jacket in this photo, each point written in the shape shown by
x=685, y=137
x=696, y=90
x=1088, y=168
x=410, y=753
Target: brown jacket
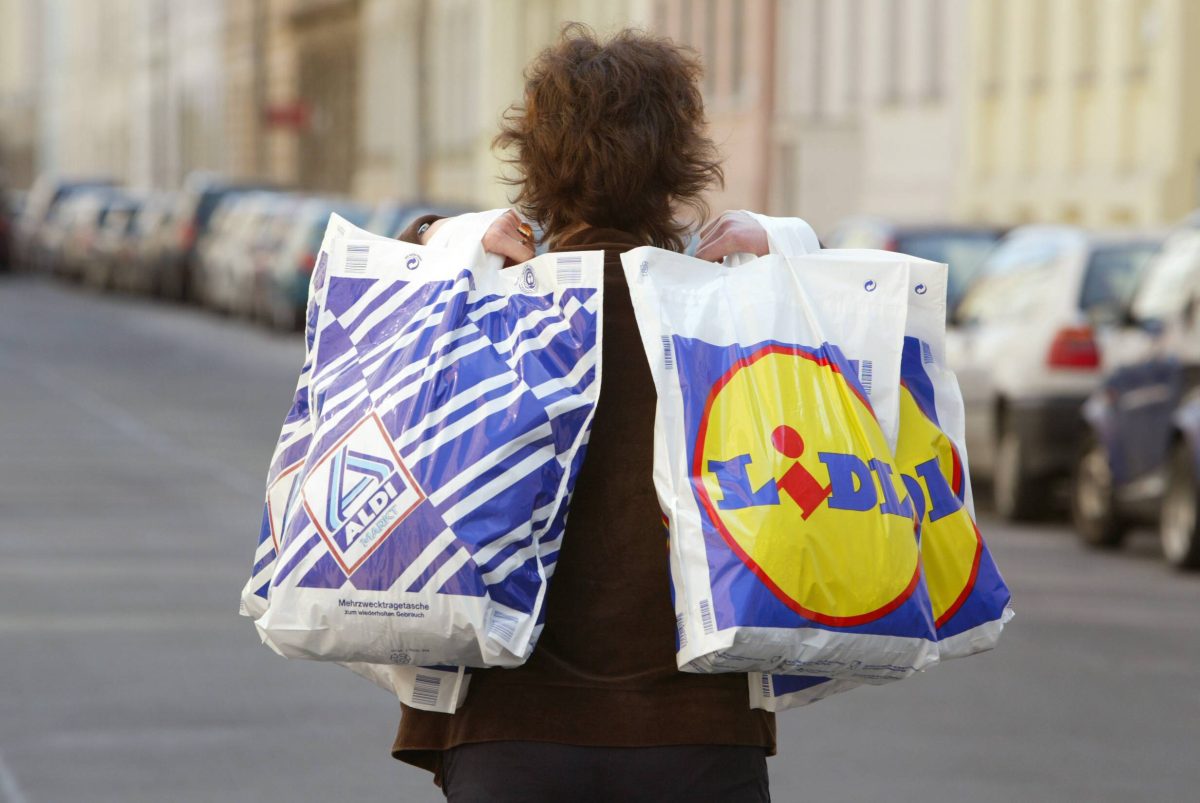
x=603, y=672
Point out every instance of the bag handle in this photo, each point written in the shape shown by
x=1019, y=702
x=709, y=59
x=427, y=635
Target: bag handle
x=787, y=236
x=465, y=233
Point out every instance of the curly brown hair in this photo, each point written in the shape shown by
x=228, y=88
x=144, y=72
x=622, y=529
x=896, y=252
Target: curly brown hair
x=612, y=134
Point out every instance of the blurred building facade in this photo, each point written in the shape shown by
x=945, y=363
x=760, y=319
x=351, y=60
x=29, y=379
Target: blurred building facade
x=1083, y=111
x=993, y=110
x=868, y=109
x=19, y=77
x=736, y=39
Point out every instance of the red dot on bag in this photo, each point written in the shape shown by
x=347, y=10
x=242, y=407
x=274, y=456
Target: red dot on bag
x=787, y=441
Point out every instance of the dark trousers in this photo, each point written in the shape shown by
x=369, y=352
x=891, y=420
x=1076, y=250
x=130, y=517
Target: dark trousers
x=535, y=772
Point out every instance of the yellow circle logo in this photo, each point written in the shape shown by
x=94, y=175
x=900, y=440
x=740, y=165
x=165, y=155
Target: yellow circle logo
x=792, y=468
x=951, y=546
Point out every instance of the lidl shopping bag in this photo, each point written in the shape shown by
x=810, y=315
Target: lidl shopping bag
x=451, y=405
x=431, y=688
x=968, y=597
x=792, y=536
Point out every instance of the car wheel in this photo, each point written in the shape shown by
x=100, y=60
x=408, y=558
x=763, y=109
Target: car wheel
x=1014, y=494
x=1178, y=517
x=1093, y=502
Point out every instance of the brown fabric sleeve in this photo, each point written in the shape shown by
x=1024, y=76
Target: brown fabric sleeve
x=409, y=235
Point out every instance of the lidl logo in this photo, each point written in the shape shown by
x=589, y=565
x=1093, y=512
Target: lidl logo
x=794, y=471
x=359, y=492
x=281, y=496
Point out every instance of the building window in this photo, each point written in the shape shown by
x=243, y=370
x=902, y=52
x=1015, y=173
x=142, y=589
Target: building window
x=1085, y=14
x=995, y=40
x=1038, y=63
x=660, y=16
x=893, y=64
x=1146, y=30
x=934, y=45
x=710, y=46
x=853, y=68
x=737, y=57
x=820, y=16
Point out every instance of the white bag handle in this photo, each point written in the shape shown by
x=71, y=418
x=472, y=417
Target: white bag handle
x=788, y=236
x=466, y=232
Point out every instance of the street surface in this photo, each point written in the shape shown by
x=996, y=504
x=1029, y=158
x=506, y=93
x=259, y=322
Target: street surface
x=134, y=440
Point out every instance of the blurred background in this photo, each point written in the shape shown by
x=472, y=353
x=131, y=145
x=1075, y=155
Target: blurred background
x=166, y=171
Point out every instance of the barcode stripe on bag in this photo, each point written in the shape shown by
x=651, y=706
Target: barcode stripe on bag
x=706, y=617
x=766, y=685
x=668, y=353
x=356, y=257
x=569, y=269
x=926, y=353
x=865, y=371
x=503, y=626
x=426, y=689
x=680, y=632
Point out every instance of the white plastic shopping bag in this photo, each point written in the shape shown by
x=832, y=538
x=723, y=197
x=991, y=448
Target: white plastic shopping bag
x=432, y=688
x=793, y=544
x=968, y=598
x=450, y=404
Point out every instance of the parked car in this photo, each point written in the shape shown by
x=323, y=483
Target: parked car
x=140, y=254
x=224, y=278
x=112, y=242
x=962, y=248
x=70, y=237
x=45, y=196
x=281, y=292
x=1026, y=348
x=1139, y=462
x=199, y=198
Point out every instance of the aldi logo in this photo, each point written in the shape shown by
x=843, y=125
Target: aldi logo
x=359, y=492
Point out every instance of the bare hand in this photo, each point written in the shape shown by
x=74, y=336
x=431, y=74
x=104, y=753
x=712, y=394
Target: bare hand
x=509, y=237
x=427, y=235
x=732, y=233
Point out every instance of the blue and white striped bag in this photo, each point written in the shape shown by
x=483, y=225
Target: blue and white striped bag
x=448, y=407
x=441, y=688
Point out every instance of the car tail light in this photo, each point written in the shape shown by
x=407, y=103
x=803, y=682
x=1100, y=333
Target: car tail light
x=187, y=235
x=307, y=263
x=1074, y=347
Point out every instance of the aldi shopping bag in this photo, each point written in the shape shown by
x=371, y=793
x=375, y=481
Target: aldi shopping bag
x=431, y=688
x=450, y=405
x=969, y=600
x=793, y=537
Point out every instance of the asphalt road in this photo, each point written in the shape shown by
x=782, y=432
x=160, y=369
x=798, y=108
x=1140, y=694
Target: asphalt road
x=134, y=440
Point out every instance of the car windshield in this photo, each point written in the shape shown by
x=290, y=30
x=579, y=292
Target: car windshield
x=963, y=251
x=1169, y=279
x=1112, y=276
x=1013, y=280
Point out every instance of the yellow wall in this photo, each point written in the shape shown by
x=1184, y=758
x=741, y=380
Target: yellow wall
x=1082, y=111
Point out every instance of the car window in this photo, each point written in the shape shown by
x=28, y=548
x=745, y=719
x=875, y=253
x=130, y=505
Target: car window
x=1169, y=278
x=964, y=252
x=1112, y=276
x=1012, y=281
